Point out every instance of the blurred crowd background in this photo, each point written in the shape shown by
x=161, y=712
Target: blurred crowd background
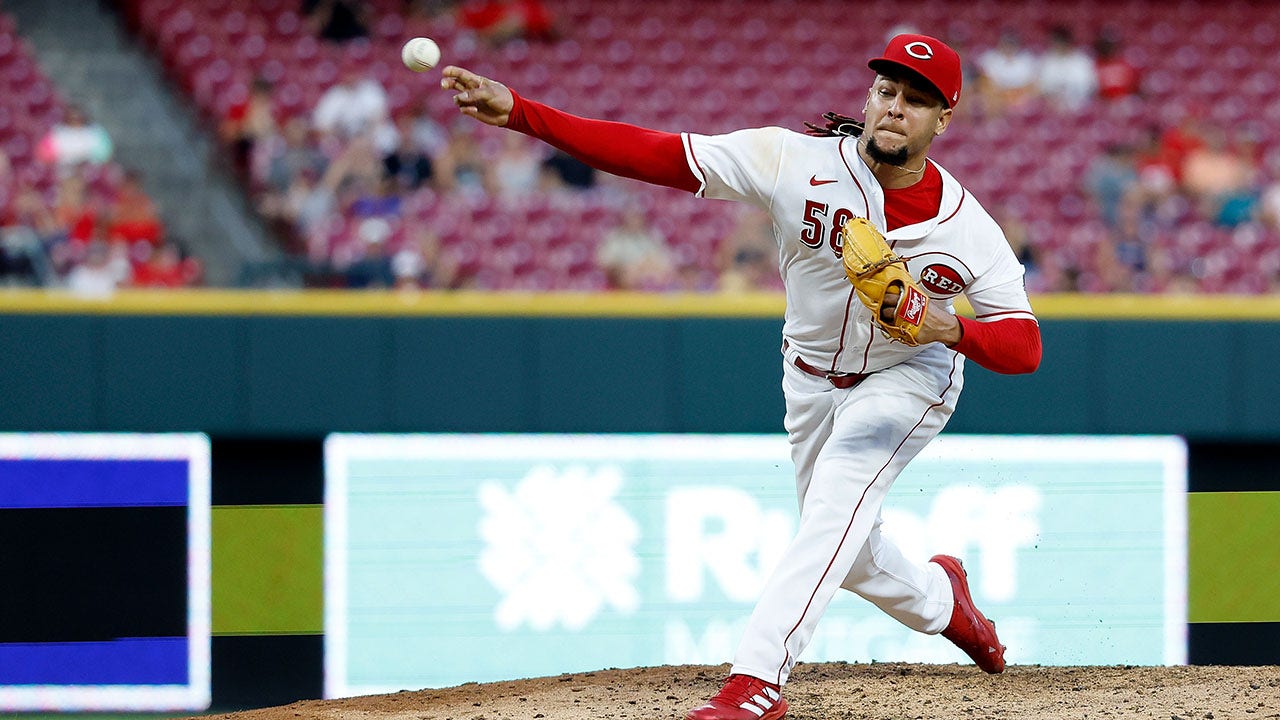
x=1127, y=146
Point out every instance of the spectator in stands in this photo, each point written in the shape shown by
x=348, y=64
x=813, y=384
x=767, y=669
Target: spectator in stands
x=357, y=165
x=462, y=167
x=1018, y=235
x=1131, y=238
x=375, y=198
x=370, y=265
x=1269, y=207
x=747, y=259
x=337, y=20
x=16, y=265
x=28, y=228
x=1067, y=75
x=6, y=177
x=1116, y=77
x=132, y=216
x=562, y=170
x=407, y=165
x=286, y=154
x=285, y=170
x=970, y=73
x=75, y=211
x=428, y=135
x=1158, y=172
x=498, y=21
x=316, y=201
x=75, y=141
x=1009, y=72
x=166, y=268
x=247, y=124
x=516, y=167
x=430, y=9
x=1220, y=180
x=420, y=264
x=1110, y=177
x=78, y=216
x=1180, y=139
x=1110, y=271
x=356, y=105
x=298, y=211
x=1164, y=275
x=1044, y=271
x=635, y=256
x=419, y=140
x=104, y=269
x=374, y=205
x=29, y=210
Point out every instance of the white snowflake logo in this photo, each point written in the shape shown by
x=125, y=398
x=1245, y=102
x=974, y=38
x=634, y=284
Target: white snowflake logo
x=558, y=547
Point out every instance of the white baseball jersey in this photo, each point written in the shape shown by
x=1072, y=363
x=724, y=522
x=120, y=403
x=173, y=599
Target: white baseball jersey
x=848, y=445
x=811, y=186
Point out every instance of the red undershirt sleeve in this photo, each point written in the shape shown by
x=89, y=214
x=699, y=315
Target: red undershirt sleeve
x=628, y=151
x=1010, y=346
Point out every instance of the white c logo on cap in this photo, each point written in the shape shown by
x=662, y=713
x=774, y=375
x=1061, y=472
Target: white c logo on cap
x=919, y=50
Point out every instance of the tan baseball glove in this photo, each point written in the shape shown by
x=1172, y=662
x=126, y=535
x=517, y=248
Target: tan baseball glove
x=874, y=269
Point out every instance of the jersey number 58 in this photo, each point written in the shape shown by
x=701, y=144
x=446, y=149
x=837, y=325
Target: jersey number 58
x=816, y=228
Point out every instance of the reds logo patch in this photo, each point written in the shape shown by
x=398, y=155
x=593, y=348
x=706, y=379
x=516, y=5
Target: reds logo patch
x=919, y=50
x=941, y=279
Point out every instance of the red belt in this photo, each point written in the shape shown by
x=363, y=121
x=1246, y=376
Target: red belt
x=844, y=381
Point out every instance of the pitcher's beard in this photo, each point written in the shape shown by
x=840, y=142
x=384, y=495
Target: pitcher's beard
x=875, y=152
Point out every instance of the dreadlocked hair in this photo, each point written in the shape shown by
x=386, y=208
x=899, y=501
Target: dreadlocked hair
x=837, y=125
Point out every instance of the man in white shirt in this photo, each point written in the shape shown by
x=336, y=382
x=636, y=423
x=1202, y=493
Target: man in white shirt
x=1068, y=77
x=356, y=105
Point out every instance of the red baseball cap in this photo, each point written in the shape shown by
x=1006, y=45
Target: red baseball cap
x=928, y=57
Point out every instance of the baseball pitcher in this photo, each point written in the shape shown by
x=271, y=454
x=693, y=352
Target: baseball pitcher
x=875, y=241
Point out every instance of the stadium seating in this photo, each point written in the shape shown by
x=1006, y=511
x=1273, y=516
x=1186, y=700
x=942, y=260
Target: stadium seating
x=31, y=105
x=717, y=65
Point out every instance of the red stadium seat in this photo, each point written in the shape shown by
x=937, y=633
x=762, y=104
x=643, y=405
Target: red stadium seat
x=719, y=65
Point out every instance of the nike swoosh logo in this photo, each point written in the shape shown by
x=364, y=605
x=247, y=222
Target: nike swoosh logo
x=814, y=181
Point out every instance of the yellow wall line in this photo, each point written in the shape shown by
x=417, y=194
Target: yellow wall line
x=638, y=305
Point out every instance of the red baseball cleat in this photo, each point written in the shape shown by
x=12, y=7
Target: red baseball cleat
x=969, y=629
x=743, y=698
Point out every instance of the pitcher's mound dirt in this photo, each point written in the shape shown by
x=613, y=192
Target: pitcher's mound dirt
x=837, y=691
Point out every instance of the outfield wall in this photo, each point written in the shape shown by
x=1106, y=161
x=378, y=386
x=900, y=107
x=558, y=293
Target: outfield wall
x=297, y=365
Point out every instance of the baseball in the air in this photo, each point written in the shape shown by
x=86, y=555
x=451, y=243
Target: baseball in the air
x=420, y=54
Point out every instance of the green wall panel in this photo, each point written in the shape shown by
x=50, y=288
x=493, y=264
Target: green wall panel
x=1257, y=399
x=460, y=375
x=1057, y=398
x=268, y=566
x=49, y=373
x=316, y=375
x=594, y=375
x=1232, y=557
x=276, y=376
x=185, y=376
x=1168, y=378
x=730, y=375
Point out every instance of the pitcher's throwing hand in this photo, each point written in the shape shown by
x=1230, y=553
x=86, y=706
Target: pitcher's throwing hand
x=479, y=97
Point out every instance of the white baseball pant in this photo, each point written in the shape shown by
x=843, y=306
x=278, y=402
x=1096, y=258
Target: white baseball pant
x=848, y=446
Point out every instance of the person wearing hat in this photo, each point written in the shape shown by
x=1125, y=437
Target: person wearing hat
x=859, y=406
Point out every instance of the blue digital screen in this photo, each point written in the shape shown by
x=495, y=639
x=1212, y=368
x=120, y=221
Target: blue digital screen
x=104, y=551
